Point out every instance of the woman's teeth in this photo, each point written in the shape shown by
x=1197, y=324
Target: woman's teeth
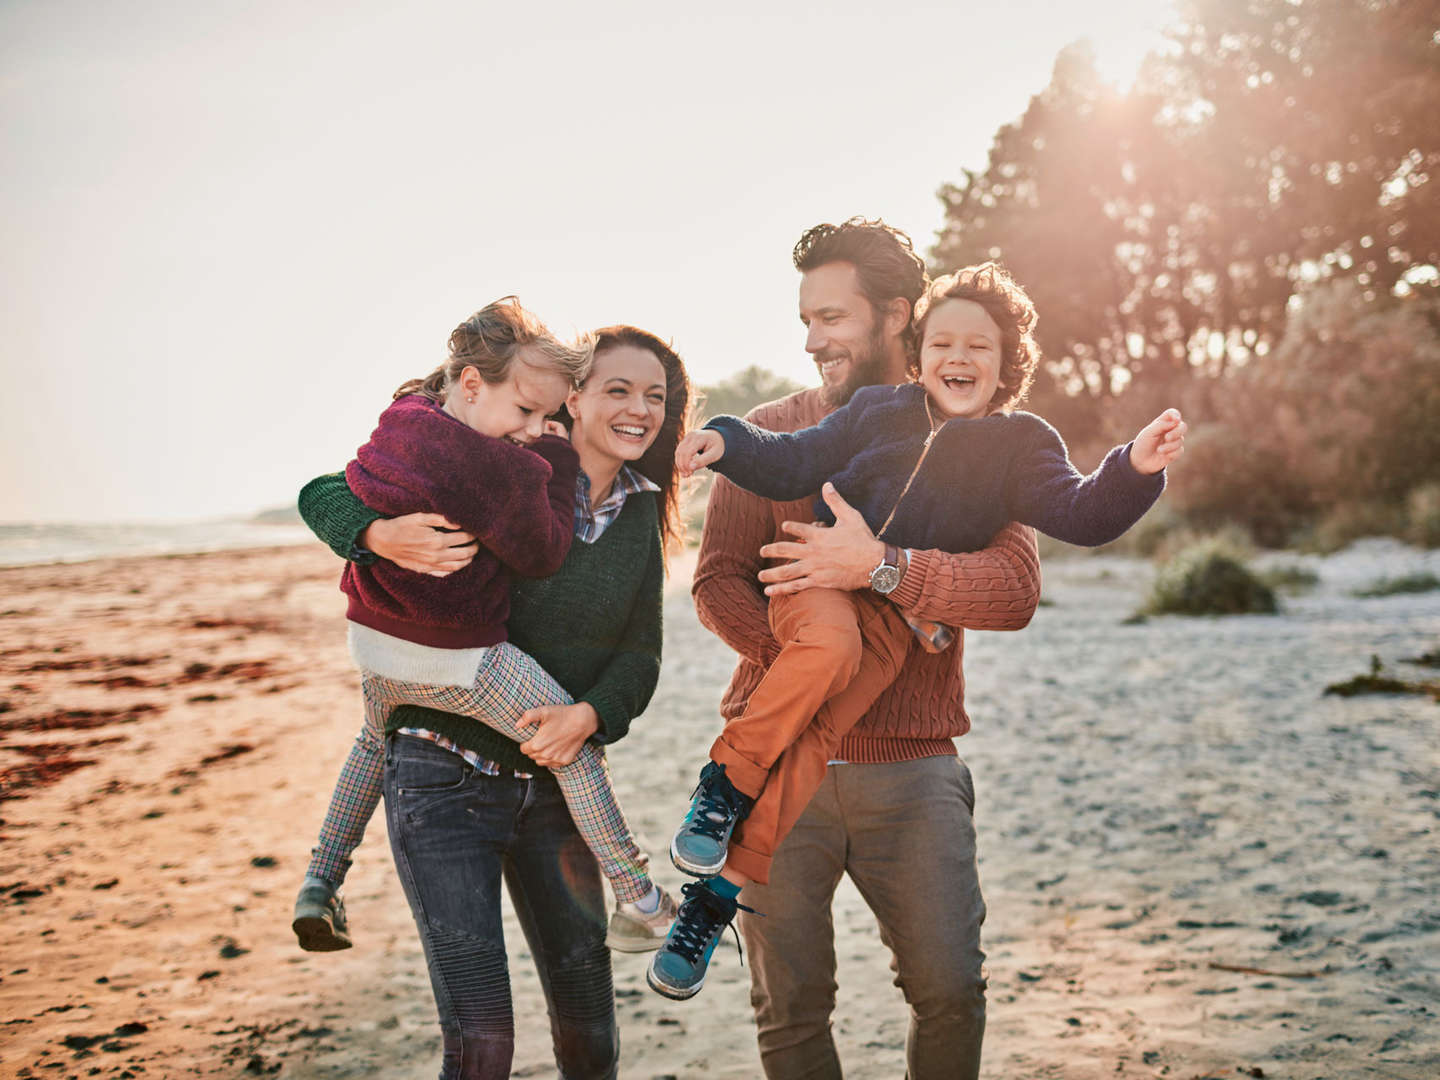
x=627, y=431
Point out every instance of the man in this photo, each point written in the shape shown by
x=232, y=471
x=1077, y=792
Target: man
x=895, y=809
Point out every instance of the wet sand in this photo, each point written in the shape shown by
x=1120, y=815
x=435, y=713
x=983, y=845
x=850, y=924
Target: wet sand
x=1196, y=863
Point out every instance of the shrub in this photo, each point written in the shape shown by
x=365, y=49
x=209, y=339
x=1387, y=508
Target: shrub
x=1422, y=516
x=1208, y=578
x=1291, y=577
x=1409, y=583
x=1350, y=521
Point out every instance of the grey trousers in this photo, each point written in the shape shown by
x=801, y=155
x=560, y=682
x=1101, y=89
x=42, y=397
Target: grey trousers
x=905, y=834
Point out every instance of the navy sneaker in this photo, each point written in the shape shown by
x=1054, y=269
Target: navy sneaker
x=703, y=839
x=320, y=917
x=678, y=969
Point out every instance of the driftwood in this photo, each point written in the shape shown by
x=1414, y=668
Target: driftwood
x=1264, y=971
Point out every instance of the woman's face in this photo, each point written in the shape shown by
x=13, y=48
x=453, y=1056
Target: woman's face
x=621, y=407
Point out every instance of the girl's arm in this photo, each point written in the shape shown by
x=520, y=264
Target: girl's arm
x=1045, y=490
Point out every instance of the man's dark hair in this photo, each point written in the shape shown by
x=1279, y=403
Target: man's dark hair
x=883, y=256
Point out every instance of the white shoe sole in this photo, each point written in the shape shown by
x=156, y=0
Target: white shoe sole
x=621, y=943
x=670, y=991
x=692, y=868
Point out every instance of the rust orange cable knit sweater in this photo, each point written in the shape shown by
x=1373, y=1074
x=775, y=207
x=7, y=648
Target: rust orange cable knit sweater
x=919, y=714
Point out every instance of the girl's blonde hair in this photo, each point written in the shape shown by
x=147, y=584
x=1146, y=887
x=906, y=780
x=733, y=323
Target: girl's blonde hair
x=494, y=338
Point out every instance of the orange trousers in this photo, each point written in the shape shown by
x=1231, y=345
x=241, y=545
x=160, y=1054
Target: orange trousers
x=838, y=651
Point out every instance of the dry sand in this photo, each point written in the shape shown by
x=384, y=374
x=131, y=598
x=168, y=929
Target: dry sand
x=1196, y=865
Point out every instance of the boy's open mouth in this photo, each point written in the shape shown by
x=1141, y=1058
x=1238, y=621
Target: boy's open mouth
x=959, y=382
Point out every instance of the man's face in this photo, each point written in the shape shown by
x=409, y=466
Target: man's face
x=845, y=337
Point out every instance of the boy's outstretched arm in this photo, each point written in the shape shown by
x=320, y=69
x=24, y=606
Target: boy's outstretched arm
x=1159, y=443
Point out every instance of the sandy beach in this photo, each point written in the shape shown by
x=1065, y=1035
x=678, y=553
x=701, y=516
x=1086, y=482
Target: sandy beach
x=1196, y=864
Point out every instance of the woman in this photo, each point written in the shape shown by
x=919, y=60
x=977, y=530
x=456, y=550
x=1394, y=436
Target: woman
x=468, y=807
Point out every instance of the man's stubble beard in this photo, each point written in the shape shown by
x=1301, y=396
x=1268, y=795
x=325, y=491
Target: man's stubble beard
x=867, y=368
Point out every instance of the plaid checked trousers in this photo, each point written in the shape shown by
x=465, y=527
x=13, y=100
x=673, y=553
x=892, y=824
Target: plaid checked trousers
x=509, y=682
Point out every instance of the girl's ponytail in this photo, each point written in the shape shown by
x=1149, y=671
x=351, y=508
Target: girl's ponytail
x=492, y=339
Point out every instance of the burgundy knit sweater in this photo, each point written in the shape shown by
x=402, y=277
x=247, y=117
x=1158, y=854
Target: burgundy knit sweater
x=518, y=501
x=919, y=714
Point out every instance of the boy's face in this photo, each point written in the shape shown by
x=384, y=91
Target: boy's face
x=960, y=358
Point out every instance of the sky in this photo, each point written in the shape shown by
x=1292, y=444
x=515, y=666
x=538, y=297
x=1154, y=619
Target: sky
x=229, y=231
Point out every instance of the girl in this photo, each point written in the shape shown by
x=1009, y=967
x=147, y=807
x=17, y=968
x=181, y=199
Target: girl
x=470, y=442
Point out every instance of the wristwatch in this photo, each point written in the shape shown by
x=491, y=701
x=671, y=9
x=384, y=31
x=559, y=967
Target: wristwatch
x=885, y=577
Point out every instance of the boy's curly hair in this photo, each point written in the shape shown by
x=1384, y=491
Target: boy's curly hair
x=991, y=286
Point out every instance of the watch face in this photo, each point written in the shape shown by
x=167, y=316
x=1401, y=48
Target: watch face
x=884, y=578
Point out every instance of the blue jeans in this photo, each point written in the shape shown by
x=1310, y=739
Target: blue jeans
x=454, y=832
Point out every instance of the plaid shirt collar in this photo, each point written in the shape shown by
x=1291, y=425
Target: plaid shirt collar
x=591, y=522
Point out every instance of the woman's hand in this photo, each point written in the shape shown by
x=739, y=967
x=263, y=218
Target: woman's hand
x=561, y=732
x=426, y=543
x=838, y=557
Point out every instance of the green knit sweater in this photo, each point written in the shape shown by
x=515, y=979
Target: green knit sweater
x=594, y=624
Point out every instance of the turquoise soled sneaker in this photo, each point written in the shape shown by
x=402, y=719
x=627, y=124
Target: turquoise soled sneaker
x=678, y=969
x=320, y=917
x=703, y=839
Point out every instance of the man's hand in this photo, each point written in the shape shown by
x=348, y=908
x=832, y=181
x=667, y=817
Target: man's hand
x=561, y=733
x=838, y=557
x=426, y=543
x=698, y=449
x=1159, y=443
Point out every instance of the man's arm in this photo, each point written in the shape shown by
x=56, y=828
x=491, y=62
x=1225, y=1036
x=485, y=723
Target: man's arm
x=995, y=588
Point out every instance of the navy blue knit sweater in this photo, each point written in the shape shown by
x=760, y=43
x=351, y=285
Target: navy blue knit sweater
x=978, y=474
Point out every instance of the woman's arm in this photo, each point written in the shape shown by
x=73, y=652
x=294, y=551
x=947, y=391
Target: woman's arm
x=425, y=543
x=336, y=516
x=626, y=683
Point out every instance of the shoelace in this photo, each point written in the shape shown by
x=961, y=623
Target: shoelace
x=689, y=938
x=713, y=813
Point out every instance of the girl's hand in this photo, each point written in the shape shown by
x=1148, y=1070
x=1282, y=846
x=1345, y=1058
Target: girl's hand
x=554, y=427
x=698, y=449
x=426, y=543
x=561, y=732
x=1159, y=443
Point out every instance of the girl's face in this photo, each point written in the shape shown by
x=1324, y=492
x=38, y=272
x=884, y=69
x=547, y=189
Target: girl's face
x=621, y=407
x=960, y=358
x=514, y=409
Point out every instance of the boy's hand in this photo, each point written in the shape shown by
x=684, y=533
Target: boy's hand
x=698, y=449
x=554, y=427
x=1159, y=443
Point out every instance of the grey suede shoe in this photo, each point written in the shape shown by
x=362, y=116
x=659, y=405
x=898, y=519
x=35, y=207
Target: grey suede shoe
x=631, y=930
x=320, y=917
